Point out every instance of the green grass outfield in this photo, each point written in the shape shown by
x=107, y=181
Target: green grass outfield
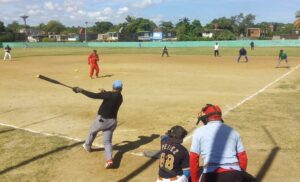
x=224, y=51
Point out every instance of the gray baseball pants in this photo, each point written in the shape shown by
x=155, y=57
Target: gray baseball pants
x=107, y=126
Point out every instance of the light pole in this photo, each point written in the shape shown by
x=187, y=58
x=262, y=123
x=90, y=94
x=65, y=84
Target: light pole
x=86, y=23
x=24, y=17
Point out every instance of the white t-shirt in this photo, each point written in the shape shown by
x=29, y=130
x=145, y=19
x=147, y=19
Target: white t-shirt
x=216, y=46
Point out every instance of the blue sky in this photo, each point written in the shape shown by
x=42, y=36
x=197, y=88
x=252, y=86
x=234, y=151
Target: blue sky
x=76, y=12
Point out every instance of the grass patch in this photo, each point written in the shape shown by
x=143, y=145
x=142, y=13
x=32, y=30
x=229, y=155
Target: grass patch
x=224, y=51
x=26, y=156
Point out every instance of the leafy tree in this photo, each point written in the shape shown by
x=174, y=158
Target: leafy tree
x=42, y=27
x=265, y=29
x=102, y=27
x=188, y=31
x=183, y=29
x=284, y=29
x=243, y=22
x=7, y=37
x=2, y=27
x=54, y=27
x=224, y=23
x=135, y=25
x=167, y=27
x=130, y=19
x=14, y=27
x=196, y=28
x=224, y=35
x=118, y=28
x=72, y=30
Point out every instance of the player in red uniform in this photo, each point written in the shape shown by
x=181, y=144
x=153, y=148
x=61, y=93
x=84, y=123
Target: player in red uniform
x=92, y=61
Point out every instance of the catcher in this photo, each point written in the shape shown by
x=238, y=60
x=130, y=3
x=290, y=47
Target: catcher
x=174, y=157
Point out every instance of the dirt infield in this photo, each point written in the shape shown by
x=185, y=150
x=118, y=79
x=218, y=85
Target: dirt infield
x=158, y=93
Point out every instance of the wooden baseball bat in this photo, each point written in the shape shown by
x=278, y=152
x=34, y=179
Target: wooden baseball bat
x=52, y=80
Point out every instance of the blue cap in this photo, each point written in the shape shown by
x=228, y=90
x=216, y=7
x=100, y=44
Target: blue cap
x=117, y=84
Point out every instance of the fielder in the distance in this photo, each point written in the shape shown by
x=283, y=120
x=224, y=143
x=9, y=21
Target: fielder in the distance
x=242, y=52
x=252, y=45
x=165, y=51
x=174, y=157
x=221, y=148
x=282, y=57
x=106, y=119
x=7, y=50
x=216, y=49
x=93, y=62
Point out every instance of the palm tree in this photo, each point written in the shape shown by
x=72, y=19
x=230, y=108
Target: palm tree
x=297, y=22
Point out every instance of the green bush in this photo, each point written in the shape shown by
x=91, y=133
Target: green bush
x=7, y=37
x=46, y=39
x=224, y=35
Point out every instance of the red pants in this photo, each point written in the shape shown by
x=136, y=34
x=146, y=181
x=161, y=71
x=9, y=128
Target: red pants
x=92, y=68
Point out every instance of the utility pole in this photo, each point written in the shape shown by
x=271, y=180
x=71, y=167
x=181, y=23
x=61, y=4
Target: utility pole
x=86, y=23
x=24, y=17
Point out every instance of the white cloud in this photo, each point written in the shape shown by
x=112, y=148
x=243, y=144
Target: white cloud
x=142, y=4
x=122, y=10
x=158, y=18
x=34, y=10
x=108, y=11
x=145, y=3
x=94, y=14
x=49, y=6
x=81, y=12
x=52, y=6
x=70, y=9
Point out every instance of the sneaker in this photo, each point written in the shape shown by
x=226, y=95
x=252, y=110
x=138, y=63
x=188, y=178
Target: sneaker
x=86, y=147
x=108, y=164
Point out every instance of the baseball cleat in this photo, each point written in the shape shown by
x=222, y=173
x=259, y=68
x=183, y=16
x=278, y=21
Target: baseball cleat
x=86, y=147
x=108, y=164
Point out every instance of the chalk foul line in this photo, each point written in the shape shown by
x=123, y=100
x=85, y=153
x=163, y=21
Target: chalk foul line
x=248, y=98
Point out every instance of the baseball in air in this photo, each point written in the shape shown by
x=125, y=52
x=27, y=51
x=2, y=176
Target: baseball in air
x=76, y=70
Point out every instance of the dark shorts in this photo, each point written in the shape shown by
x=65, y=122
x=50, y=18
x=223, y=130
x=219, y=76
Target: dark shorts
x=232, y=176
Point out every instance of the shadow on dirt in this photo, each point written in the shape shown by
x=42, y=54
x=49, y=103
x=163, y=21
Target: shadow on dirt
x=268, y=162
x=40, y=156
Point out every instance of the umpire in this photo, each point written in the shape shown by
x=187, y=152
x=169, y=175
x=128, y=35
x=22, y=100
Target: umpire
x=106, y=120
x=220, y=146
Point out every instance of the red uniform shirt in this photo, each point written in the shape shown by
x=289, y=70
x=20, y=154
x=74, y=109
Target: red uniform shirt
x=93, y=59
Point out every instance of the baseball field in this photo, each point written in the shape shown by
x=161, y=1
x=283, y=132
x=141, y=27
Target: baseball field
x=43, y=125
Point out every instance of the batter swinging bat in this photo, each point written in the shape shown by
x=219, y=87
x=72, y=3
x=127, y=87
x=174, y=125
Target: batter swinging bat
x=52, y=80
